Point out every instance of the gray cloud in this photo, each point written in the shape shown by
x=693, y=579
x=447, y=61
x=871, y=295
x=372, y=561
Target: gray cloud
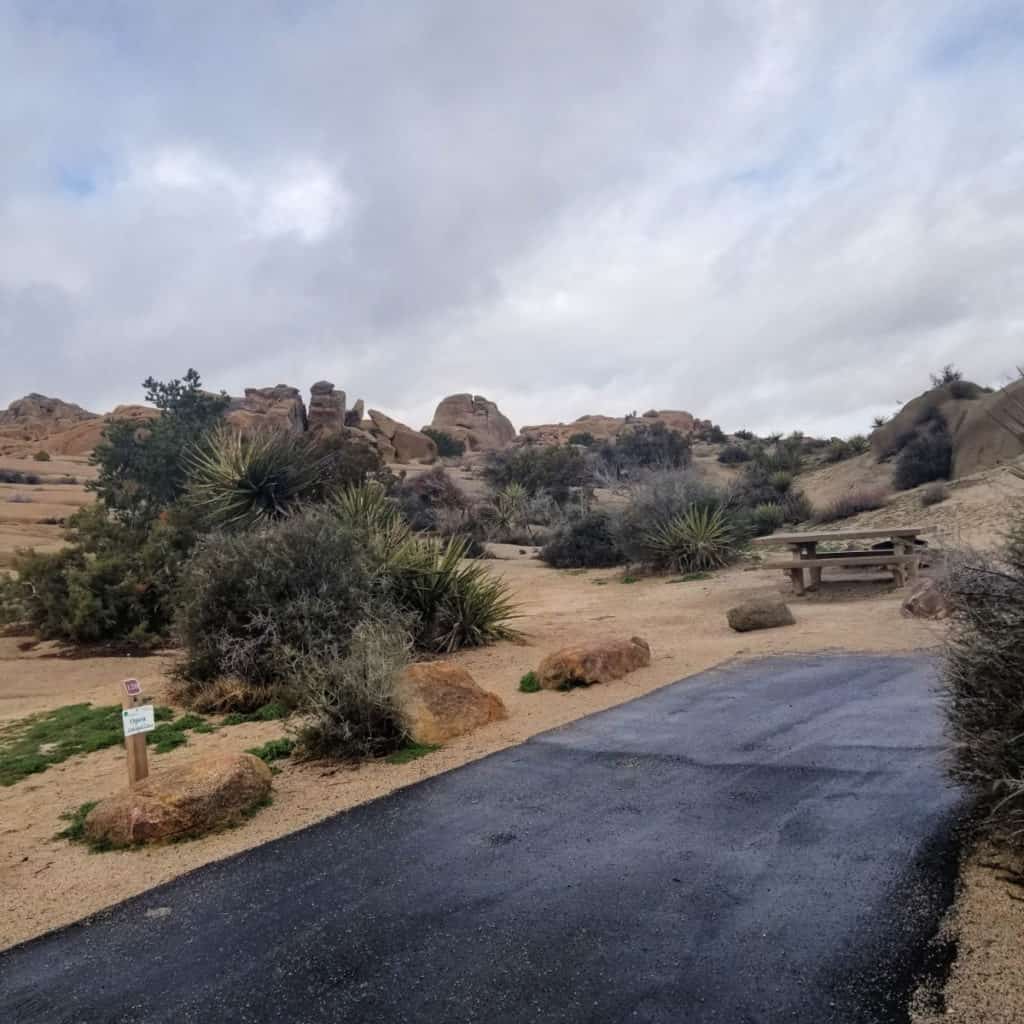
x=776, y=215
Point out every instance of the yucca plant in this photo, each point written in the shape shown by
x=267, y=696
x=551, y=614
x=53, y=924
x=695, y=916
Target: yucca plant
x=238, y=481
x=368, y=510
x=700, y=538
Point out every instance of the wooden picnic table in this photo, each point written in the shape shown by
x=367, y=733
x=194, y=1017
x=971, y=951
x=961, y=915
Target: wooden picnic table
x=900, y=555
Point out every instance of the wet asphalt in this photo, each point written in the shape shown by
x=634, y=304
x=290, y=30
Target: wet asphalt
x=765, y=843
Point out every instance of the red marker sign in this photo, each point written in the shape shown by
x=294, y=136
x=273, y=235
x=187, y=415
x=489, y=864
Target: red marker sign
x=132, y=687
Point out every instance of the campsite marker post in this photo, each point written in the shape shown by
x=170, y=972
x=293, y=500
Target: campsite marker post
x=137, y=719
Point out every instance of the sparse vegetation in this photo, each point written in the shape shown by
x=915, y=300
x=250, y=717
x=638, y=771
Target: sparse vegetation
x=412, y=752
x=16, y=476
x=733, y=455
x=934, y=494
x=529, y=683
x=853, y=503
x=949, y=374
x=42, y=455
x=587, y=542
x=75, y=831
x=274, y=750
x=838, y=450
x=645, y=446
x=584, y=439
x=553, y=469
x=926, y=457
x=448, y=447
x=767, y=518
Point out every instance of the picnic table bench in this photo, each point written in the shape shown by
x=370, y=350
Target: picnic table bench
x=900, y=554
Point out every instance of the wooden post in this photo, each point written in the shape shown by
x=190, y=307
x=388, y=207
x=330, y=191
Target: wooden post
x=138, y=759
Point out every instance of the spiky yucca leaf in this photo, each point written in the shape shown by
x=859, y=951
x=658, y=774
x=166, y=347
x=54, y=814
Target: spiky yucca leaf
x=367, y=509
x=698, y=539
x=242, y=480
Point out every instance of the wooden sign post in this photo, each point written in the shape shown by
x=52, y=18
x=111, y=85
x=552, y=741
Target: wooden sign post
x=135, y=728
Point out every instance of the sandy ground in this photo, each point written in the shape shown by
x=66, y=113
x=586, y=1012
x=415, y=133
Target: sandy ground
x=46, y=883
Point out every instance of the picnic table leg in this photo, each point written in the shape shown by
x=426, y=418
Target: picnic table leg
x=816, y=577
x=797, y=576
x=809, y=549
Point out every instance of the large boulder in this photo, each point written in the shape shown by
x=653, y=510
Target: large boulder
x=927, y=601
x=83, y=437
x=279, y=407
x=760, y=613
x=603, y=428
x=598, y=662
x=409, y=445
x=326, y=408
x=439, y=700
x=474, y=420
x=37, y=416
x=205, y=794
x=354, y=417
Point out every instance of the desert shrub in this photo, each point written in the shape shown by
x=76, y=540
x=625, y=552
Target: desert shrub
x=838, y=449
x=646, y=446
x=242, y=480
x=347, y=460
x=41, y=456
x=555, y=469
x=929, y=456
x=733, y=454
x=965, y=390
x=448, y=447
x=934, y=494
x=712, y=434
x=584, y=439
x=983, y=689
x=767, y=518
x=745, y=435
x=142, y=468
x=15, y=476
x=506, y=517
x=257, y=605
x=781, y=482
x=529, y=683
x=692, y=541
x=423, y=498
x=346, y=694
x=879, y=421
x=115, y=583
x=797, y=507
x=866, y=499
x=949, y=374
x=587, y=542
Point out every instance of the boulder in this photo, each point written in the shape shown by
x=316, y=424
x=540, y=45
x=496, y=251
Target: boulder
x=440, y=700
x=927, y=601
x=760, y=613
x=409, y=445
x=597, y=662
x=37, y=416
x=326, y=408
x=83, y=437
x=474, y=420
x=603, y=428
x=354, y=417
x=383, y=424
x=189, y=800
x=279, y=407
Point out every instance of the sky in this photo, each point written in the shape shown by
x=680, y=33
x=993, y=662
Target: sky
x=774, y=214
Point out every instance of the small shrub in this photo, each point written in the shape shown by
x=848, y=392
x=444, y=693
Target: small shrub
x=733, y=454
x=529, y=683
x=929, y=456
x=422, y=498
x=589, y=542
x=712, y=434
x=42, y=456
x=767, y=518
x=646, y=446
x=797, y=507
x=744, y=435
x=781, y=481
x=75, y=830
x=965, y=390
x=273, y=750
x=698, y=539
x=934, y=494
x=412, y=752
x=448, y=447
x=878, y=422
x=555, y=469
x=852, y=504
x=584, y=439
x=15, y=476
x=949, y=374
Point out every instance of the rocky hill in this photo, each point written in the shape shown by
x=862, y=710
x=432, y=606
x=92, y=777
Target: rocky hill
x=603, y=427
x=36, y=416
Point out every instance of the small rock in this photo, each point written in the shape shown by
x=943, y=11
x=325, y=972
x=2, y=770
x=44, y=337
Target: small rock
x=440, y=700
x=760, y=613
x=598, y=662
x=927, y=602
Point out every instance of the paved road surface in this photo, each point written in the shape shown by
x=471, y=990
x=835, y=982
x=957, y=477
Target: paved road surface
x=765, y=843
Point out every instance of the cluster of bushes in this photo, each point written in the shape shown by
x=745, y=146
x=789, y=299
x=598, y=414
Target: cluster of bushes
x=448, y=447
x=15, y=476
x=838, y=450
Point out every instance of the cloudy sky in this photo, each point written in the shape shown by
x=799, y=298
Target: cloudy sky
x=775, y=214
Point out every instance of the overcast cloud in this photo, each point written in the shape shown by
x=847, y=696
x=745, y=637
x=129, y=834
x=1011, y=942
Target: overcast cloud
x=775, y=214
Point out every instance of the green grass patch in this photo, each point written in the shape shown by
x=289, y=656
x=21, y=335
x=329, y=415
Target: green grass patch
x=629, y=579
x=412, y=752
x=171, y=734
x=273, y=750
x=529, y=683
x=75, y=832
x=692, y=577
x=268, y=713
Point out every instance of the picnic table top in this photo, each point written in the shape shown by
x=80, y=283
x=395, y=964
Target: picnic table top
x=814, y=536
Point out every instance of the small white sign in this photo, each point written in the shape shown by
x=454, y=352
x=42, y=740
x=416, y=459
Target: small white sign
x=140, y=719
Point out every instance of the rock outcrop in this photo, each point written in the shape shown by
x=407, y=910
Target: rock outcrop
x=602, y=428
x=279, y=407
x=597, y=662
x=354, y=417
x=409, y=445
x=83, y=437
x=326, y=408
x=439, y=700
x=927, y=602
x=189, y=800
x=37, y=416
x=760, y=613
x=474, y=420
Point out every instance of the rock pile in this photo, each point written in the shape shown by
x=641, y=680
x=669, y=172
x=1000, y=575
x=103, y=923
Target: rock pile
x=602, y=428
x=474, y=420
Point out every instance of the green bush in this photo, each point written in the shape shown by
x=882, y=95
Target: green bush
x=529, y=683
x=838, y=449
x=983, y=690
x=584, y=439
x=767, y=518
x=929, y=456
x=733, y=454
x=42, y=456
x=646, y=446
x=692, y=541
x=745, y=435
x=423, y=498
x=587, y=542
x=712, y=434
x=447, y=446
x=553, y=469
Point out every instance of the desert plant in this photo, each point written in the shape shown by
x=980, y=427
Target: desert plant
x=984, y=666
x=586, y=542
x=448, y=447
x=781, y=481
x=699, y=538
x=879, y=421
x=554, y=469
x=646, y=446
x=347, y=694
x=712, y=434
x=584, y=439
x=529, y=683
x=15, y=476
x=42, y=455
x=238, y=480
x=949, y=374
x=867, y=499
x=767, y=518
x=929, y=456
x=733, y=454
x=744, y=435
x=422, y=498
x=934, y=494
x=797, y=506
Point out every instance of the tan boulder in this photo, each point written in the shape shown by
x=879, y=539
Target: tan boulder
x=603, y=428
x=191, y=799
x=326, y=408
x=409, y=445
x=37, y=416
x=927, y=601
x=278, y=407
x=83, y=437
x=440, y=700
x=597, y=662
x=354, y=417
x=760, y=613
x=474, y=420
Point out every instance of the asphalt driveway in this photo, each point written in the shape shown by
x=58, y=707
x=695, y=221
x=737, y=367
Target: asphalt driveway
x=765, y=843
